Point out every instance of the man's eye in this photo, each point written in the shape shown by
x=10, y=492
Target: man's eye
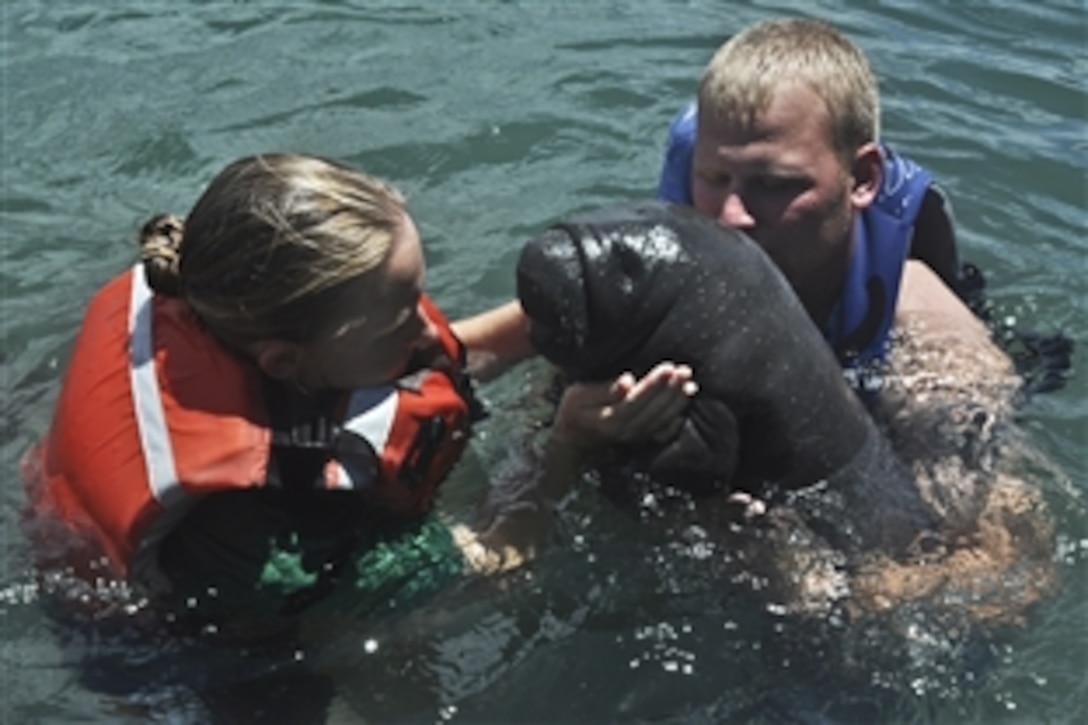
x=776, y=184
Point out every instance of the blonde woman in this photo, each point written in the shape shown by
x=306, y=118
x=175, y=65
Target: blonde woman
x=258, y=414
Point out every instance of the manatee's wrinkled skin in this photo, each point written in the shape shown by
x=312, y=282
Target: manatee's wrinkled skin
x=626, y=287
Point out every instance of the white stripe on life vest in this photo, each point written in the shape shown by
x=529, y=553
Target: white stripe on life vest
x=370, y=415
x=158, y=453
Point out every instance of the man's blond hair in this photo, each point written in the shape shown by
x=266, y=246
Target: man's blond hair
x=741, y=79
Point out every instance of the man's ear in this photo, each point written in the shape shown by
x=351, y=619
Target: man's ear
x=867, y=174
x=278, y=359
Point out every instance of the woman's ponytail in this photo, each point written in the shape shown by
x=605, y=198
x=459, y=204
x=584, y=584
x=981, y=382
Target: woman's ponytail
x=160, y=252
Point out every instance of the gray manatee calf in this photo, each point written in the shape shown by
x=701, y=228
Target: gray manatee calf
x=626, y=287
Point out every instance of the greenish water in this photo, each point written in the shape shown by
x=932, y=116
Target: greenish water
x=497, y=118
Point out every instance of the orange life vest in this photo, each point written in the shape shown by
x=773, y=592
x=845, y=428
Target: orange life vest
x=154, y=414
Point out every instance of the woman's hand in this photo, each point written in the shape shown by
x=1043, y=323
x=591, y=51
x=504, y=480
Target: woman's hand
x=517, y=516
x=626, y=410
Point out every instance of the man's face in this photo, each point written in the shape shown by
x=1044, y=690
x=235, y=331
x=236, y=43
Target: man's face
x=779, y=180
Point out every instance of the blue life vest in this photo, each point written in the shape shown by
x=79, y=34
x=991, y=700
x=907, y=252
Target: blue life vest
x=861, y=321
x=675, y=184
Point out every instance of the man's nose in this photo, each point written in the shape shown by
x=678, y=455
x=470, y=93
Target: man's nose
x=734, y=213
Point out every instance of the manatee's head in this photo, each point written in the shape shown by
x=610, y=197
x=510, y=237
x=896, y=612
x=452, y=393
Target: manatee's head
x=589, y=286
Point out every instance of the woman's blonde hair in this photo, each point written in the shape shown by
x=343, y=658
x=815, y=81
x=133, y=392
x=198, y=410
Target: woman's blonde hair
x=270, y=243
x=741, y=79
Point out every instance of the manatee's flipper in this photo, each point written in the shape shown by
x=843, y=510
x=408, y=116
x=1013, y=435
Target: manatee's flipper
x=703, y=456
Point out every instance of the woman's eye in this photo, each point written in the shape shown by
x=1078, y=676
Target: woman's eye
x=410, y=326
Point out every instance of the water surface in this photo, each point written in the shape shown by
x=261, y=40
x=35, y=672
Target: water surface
x=497, y=118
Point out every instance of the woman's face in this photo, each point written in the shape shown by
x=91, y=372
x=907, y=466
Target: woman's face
x=377, y=326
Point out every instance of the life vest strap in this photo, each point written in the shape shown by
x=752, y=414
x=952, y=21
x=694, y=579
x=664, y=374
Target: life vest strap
x=158, y=452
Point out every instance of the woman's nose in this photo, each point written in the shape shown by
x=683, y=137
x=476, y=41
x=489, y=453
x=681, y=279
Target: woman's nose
x=428, y=331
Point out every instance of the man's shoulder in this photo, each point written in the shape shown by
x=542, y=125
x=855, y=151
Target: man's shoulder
x=936, y=334
x=922, y=294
